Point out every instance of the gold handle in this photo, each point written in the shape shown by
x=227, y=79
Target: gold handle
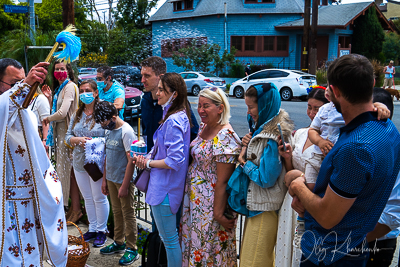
x=32, y=92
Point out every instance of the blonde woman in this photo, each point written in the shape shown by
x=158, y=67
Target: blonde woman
x=208, y=227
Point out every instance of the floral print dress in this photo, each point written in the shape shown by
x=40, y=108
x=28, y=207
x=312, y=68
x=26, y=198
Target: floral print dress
x=204, y=241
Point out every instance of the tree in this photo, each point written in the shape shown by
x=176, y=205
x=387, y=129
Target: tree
x=94, y=37
x=127, y=47
x=13, y=45
x=133, y=13
x=203, y=57
x=9, y=21
x=391, y=46
x=368, y=35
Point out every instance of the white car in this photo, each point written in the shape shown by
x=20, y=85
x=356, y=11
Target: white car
x=290, y=83
x=197, y=81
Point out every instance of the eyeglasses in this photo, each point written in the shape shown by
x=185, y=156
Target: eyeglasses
x=11, y=85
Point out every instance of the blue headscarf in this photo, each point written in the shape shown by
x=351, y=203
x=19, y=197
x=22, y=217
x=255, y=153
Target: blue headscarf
x=269, y=104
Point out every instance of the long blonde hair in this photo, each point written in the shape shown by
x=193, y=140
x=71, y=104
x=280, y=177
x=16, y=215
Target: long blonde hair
x=218, y=97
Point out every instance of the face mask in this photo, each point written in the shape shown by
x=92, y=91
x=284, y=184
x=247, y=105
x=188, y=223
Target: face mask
x=110, y=126
x=86, y=98
x=60, y=75
x=101, y=85
x=248, y=66
x=170, y=100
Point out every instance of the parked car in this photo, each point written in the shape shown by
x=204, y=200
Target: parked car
x=290, y=83
x=87, y=71
x=128, y=75
x=197, y=81
x=133, y=98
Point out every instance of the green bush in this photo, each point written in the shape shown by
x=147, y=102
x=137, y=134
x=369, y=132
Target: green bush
x=322, y=76
x=236, y=71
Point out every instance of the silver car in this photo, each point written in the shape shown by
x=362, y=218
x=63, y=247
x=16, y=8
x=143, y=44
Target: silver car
x=196, y=81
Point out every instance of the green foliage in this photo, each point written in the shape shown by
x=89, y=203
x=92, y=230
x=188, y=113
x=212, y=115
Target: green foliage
x=126, y=47
x=9, y=21
x=236, y=70
x=368, y=35
x=12, y=46
x=203, y=57
x=50, y=15
x=133, y=13
x=391, y=46
x=322, y=76
x=94, y=37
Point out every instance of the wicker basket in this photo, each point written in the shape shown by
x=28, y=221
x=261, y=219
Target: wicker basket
x=77, y=257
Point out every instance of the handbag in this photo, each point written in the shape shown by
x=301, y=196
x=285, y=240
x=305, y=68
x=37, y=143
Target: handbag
x=93, y=170
x=143, y=175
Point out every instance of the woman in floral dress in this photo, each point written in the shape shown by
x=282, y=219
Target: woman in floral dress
x=207, y=224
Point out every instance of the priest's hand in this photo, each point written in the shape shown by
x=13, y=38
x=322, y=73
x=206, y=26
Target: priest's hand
x=37, y=73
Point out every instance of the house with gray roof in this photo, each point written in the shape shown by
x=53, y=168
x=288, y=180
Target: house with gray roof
x=262, y=31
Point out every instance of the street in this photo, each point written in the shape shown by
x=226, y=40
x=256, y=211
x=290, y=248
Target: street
x=295, y=108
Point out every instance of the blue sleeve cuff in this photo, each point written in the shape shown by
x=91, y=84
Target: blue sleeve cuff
x=249, y=167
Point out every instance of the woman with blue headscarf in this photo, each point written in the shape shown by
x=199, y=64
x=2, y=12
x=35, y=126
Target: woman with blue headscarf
x=262, y=164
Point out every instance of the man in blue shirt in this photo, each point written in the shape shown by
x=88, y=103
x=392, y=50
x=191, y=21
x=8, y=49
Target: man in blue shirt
x=110, y=90
x=356, y=176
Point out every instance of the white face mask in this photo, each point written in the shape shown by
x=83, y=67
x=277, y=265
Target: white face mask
x=170, y=100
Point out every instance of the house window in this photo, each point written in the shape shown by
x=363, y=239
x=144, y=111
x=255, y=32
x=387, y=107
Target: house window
x=171, y=46
x=237, y=42
x=282, y=43
x=259, y=1
x=344, y=41
x=269, y=43
x=183, y=5
x=261, y=46
x=249, y=43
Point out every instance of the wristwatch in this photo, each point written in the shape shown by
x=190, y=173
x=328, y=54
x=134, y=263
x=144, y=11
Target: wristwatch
x=148, y=164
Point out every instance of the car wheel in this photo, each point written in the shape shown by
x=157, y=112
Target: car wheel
x=195, y=90
x=238, y=92
x=286, y=94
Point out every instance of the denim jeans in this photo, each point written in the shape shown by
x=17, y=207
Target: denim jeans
x=166, y=225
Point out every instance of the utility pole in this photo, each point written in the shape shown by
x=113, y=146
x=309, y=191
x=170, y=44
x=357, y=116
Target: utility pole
x=68, y=12
x=306, y=36
x=314, y=34
x=104, y=15
x=32, y=33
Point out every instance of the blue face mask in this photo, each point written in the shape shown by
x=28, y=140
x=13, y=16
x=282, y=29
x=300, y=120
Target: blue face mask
x=101, y=85
x=86, y=98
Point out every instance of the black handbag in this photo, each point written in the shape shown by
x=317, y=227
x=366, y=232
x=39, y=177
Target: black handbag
x=93, y=170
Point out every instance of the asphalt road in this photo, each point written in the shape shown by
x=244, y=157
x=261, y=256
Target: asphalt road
x=295, y=108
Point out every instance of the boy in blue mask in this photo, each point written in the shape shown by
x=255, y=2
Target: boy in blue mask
x=118, y=181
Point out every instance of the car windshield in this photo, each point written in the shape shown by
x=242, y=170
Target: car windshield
x=206, y=74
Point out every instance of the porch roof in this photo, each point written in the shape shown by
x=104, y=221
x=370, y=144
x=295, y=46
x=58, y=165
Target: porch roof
x=338, y=16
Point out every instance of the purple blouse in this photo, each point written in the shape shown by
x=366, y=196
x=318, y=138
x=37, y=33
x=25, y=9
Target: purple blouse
x=173, y=138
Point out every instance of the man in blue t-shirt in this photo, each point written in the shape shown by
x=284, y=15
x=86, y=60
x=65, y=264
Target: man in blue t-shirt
x=356, y=176
x=110, y=90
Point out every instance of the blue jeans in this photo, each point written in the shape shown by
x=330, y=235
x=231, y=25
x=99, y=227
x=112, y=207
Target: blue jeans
x=166, y=225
